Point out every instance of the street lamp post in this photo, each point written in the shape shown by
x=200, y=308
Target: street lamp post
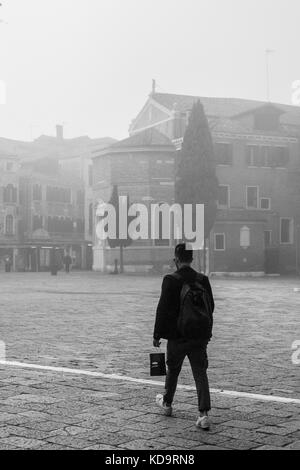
x=297, y=249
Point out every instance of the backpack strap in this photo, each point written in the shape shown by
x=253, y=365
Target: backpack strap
x=207, y=298
x=184, y=288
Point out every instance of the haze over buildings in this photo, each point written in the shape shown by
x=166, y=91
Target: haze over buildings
x=88, y=67
x=88, y=64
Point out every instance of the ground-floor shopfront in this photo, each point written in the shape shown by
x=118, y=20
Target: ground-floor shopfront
x=238, y=248
x=36, y=257
x=149, y=259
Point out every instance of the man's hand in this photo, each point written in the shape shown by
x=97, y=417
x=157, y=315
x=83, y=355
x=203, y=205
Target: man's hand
x=156, y=343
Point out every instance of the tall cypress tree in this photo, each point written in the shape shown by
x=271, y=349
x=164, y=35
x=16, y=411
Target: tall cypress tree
x=196, y=180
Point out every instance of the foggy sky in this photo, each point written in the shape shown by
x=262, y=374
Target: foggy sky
x=89, y=63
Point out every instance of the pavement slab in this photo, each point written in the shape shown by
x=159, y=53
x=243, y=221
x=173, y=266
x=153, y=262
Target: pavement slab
x=78, y=322
x=123, y=429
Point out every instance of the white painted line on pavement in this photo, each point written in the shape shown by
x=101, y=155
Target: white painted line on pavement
x=229, y=393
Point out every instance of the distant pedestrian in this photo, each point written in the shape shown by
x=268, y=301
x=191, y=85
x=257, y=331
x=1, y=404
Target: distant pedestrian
x=116, y=271
x=67, y=262
x=53, y=262
x=185, y=318
x=8, y=264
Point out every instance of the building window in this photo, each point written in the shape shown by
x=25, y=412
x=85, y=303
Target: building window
x=245, y=237
x=223, y=197
x=9, y=166
x=267, y=156
x=265, y=203
x=37, y=192
x=270, y=157
x=219, y=241
x=252, y=197
x=10, y=194
x=80, y=197
x=9, y=225
x=281, y=157
x=267, y=238
x=224, y=153
x=252, y=155
x=286, y=231
x=62, y=195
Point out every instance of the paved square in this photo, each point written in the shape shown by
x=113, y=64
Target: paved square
x=104, y=323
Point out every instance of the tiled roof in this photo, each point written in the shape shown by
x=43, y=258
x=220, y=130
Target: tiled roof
x=225, y=107
x=51, y=147
x=149, y=137
x=7, y=156
x=236, y=126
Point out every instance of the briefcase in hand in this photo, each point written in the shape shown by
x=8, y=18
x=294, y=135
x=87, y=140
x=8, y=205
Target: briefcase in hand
x=157, y=364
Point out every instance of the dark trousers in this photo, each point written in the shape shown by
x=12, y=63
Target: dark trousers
x=177, y=350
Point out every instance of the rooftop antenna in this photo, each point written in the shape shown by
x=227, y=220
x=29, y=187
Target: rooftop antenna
x=1, y=20
x=268, y=53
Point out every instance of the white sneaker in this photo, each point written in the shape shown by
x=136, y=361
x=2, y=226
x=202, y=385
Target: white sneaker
x=160, y=402
x=203, y=422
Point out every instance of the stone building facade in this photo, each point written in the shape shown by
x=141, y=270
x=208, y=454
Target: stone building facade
x=52, y=216
x=257, y=151
x=9, y=207
x=45, y=199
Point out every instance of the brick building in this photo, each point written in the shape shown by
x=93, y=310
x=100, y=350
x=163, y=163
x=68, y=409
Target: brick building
x=143, y=168
x=258, y=165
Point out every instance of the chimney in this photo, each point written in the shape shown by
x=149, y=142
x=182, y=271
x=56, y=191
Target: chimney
x=60, y=132
x=153, y=87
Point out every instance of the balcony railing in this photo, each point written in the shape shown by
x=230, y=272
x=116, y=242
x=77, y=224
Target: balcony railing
x=66, y=235
x=54, y=236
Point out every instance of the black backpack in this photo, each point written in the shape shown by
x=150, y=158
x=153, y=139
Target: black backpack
x=195, y=314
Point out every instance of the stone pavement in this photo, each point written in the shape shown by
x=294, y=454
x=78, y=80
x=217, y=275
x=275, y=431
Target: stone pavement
x=50, y=410
x=104, y=323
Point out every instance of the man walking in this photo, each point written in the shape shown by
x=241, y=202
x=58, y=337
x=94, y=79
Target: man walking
x=168, y=325
x=67, y=262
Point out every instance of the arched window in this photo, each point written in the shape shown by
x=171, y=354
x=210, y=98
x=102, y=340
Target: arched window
x=9, y=225
x=10, y=194
x=245, y=237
